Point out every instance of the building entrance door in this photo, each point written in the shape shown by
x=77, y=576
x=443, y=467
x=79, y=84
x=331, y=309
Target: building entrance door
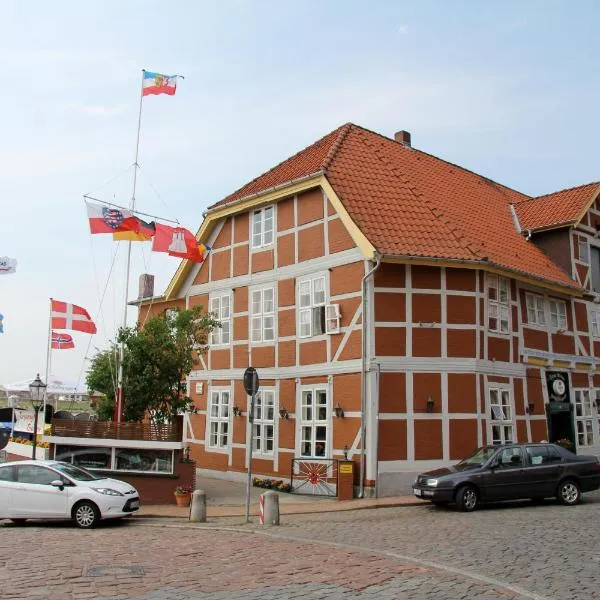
x=560, y=422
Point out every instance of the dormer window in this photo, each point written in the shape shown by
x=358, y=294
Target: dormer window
x=262, y=227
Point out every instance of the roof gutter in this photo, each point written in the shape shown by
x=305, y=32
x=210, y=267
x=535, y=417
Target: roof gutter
x=363, y=372
x=274, y=188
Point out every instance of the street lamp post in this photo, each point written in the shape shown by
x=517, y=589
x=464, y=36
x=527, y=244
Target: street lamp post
x=36, y=390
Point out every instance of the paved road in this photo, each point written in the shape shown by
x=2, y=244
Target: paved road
x=501, y=553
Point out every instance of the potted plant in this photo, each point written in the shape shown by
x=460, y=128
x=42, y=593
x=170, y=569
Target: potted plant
x=183, y=495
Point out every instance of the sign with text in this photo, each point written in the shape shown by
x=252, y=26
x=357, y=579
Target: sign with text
x=24, y=420
x=558, y=386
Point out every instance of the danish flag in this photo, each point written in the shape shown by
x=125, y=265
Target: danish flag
x=71, y=316
x=62, y=341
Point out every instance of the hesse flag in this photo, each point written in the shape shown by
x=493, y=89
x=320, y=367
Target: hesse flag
x=71, y=316
x=62, y=341
x=177, y=241
x=156, y=83
x=105, y=219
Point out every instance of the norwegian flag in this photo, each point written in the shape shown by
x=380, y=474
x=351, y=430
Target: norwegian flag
x=62, y=341
x=71, y=316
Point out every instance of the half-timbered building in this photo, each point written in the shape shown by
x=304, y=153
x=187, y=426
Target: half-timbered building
x=397, y=307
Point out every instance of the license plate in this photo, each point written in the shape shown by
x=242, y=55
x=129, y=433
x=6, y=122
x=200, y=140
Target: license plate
x=135, y=504
x=427, y=493
x=418, y=492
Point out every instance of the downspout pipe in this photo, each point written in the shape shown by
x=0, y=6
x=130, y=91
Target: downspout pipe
x=363, y=372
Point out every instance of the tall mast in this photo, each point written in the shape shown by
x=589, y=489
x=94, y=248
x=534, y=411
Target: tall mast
x=119, y=396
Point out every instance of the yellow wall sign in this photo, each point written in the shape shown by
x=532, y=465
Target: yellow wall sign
x=345, y=469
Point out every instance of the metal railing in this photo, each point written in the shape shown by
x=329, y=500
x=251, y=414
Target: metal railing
x=118, y=431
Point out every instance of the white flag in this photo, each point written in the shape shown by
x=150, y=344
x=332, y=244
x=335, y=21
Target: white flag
x=7, y=265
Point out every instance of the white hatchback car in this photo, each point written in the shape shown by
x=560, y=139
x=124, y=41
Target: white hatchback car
x=49, y=489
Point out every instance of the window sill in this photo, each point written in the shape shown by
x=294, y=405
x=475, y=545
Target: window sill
x=262, y=248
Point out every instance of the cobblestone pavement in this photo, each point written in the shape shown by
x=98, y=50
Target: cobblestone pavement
x=516, y=551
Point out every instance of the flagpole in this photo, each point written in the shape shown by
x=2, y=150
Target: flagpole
x=119, y=399
x=48, y=359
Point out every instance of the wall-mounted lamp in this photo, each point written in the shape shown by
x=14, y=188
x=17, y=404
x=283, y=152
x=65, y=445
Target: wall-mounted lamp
x=530, y=408
x=237, y=411
x=430, y=405
x=338, y=411
x=345, y=451
x=283, y=413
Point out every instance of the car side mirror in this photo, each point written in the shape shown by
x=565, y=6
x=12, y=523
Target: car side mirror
x=58, y=483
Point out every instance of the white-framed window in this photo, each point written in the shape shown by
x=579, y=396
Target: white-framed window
x=535, y=309
x=584, y=253
x=595, y=319
x=311, y=303
x=501, y=416
x=498, y=304
x=332, y=318
x=314, y=422
x=218, y=418
x=220, y=307
x=264, y=421
x=558, y=314
x=584, y=419
x=263, y=226
x=262, y=310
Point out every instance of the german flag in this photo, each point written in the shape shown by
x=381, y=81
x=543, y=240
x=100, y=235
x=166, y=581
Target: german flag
x=141, y=232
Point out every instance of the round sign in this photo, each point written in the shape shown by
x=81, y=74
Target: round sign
x=558, y=385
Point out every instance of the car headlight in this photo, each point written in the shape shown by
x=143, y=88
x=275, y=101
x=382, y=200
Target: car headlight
x=431, y=482
x=107, y=491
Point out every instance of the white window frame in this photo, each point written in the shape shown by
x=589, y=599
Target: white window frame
x=498, y=304
x=261, y=315
x=558, y=314
x=536, y=309
x=584, y=417
x=595, y=321
x=220, y=417
x=582, y=244
x=221, y=311
x=311, y=312
x=263, y=418
x=501, y=416
x=308, y=419
x=260, y=235
x=332, y=318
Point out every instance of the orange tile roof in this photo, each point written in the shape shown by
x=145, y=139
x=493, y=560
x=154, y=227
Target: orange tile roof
x=560, y=208
x=411, y=204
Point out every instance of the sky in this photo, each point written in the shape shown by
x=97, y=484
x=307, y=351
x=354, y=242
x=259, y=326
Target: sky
x=507, y=89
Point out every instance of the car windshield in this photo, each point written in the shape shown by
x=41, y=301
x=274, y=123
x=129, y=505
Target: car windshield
x=478, y=458
x=74, y=472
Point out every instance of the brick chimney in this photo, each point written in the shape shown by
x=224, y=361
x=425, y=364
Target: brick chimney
x=403, y=137
x=146, y=286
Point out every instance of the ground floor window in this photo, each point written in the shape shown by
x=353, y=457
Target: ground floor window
x=314, y=423
x=218, y=419
x=584, y=421
x=141, y=460
x=264, y=421
x=501, y=416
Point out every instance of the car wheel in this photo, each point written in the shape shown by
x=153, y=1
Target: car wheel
x=467, y=498
x=568, y=492
x=86, y=515
x=18, y=521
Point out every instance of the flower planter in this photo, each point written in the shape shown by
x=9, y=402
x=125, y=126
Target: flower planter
x=26, y=450
x=183, y=499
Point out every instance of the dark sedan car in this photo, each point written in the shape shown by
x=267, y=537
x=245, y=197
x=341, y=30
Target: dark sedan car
x=511, y=472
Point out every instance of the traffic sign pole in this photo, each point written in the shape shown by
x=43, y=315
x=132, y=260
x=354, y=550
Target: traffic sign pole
x=251, y=384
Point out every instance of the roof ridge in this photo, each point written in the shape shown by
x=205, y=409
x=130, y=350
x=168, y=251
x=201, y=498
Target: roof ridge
x=456, y=231
x=573, y=187
x=343, y=132
x=412, y=148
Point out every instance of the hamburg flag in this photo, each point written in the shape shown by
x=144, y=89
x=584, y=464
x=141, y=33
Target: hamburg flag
x=62, y=341
x=178, y=241
x=71, y=316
